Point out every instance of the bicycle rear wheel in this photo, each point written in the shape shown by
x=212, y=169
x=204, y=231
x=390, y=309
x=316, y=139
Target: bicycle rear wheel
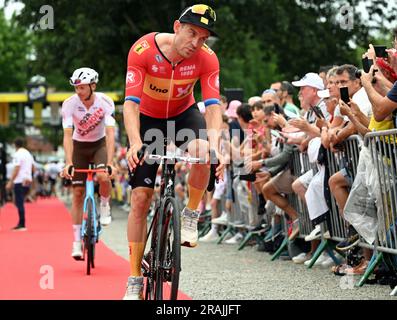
x=168, y=253
x=89, y=244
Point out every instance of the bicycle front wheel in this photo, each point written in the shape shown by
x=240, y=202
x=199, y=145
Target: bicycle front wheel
x=168, y=253
x=89, y=244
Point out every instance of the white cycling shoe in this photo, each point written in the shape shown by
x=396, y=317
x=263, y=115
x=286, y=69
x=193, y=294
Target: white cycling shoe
x=134, y=289
x=77, y=250
x=189, y=233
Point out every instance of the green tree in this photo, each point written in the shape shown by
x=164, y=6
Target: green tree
x=260, y=41
x=15, y=46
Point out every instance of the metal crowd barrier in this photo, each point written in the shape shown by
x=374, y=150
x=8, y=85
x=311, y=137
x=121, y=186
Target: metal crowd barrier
x=337, y=228
x=244, y=209
x=236, y=216
x=301, y=165
x=336, y=161
x=346, y=158
x=383, y=148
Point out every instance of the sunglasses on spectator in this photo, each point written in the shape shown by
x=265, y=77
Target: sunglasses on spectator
x=201, y=9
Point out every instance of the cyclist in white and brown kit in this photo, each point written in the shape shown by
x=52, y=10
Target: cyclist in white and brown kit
x=88, y=124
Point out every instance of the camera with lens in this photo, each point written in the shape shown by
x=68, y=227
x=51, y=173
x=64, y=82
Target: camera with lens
x=359, y=74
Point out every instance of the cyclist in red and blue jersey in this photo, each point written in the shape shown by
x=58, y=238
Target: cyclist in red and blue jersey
x=162, y=71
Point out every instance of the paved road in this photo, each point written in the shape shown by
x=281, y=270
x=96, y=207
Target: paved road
x=212, y=271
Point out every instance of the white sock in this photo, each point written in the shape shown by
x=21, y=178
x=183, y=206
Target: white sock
x=77, y=232
x=214, y=228
x=104, y=200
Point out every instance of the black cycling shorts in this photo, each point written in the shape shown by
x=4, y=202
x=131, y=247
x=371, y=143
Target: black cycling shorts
x=181, y=129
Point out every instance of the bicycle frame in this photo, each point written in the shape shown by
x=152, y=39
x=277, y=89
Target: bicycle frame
x=162, y=262
x=167, y=180
x=90, y=196
x=167, y=177
x=166, y=186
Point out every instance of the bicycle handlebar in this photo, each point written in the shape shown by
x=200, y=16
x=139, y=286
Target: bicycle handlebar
x=101, y=170
x=177, y=158
x=91, y=170
x=213, y=161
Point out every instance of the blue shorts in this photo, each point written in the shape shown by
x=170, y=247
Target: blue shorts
x=348, y=176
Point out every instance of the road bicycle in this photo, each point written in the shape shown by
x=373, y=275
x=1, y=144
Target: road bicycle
x=90, y=228
x=162, y=258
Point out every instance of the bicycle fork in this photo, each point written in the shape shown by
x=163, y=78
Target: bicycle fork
x=90, y=215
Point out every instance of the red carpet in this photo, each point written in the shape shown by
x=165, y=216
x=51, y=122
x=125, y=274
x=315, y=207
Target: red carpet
x=30, y=258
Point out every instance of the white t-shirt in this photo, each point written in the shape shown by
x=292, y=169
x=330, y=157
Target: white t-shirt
x=89, y=124
x=52, y=169
x=24, y=160
x=361, y=99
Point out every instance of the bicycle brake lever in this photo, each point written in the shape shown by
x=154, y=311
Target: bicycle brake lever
x=70, y=170
x=109, y=168
x=141, y=152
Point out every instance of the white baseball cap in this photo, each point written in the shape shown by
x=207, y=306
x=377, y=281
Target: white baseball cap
x=310, y=79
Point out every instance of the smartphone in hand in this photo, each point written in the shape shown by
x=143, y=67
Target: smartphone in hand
x=344, y=94
x=318, y=112
x=380, y=51
x=367, y=63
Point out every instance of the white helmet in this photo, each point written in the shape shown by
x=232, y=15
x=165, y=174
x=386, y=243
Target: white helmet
x=84, y=76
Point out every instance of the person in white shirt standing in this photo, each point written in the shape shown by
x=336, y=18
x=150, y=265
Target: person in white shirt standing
x=88, y=123
x=21, y=179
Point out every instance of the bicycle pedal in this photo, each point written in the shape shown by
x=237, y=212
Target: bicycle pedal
x=78, y=258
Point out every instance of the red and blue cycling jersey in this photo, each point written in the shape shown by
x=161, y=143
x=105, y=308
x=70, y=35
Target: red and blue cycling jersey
x=163, y=90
